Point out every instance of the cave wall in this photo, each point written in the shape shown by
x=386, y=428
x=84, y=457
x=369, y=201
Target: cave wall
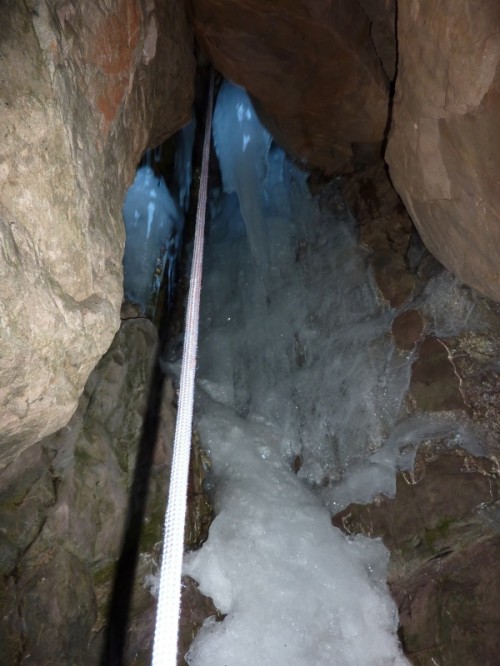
x=85, y=87
x=445, y=137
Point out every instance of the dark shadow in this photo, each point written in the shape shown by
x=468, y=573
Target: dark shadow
x=392, y=89
x=121, y=597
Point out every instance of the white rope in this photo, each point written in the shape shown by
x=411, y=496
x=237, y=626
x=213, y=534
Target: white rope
x=169, y=599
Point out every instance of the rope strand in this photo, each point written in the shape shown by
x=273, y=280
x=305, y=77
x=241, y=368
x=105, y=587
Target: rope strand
x=167, y=617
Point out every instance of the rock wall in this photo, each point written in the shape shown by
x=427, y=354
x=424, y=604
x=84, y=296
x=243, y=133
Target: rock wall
x=312, y=69
x=66, y=504
x=442, y=527
x=444, y=143
x=63, y=505
x=81, y=99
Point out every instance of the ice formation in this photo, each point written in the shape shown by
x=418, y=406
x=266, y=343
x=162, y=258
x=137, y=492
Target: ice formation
x=153, y=223
x=293, y=361
x=295, y=591
x=238, y=132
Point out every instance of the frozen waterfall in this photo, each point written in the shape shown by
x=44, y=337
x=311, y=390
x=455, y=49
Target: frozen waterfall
x=238, y=134
x=290, y=365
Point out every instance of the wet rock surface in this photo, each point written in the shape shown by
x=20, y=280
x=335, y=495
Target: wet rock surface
x=407, y=329
x=196, y=608
x=443, y=532
x=63, y=509
x=442, y=527
x=434, y=385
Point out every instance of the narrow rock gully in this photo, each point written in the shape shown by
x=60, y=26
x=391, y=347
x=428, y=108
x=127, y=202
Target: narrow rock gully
x=343, y=501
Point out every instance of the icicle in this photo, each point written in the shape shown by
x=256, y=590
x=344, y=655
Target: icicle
x=237, y=132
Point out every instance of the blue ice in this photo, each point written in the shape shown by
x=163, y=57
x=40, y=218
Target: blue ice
x=237, y=131
x=154, y=224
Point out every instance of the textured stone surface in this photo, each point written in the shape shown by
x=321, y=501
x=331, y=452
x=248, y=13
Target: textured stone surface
x=442, y=530
x=449, y=609
x=196, y=608
x=444, y=144
x=442, y=526
x=62, y=508
x=80, y=102
x=311, y=67
x=432, y=505
x=64, y=504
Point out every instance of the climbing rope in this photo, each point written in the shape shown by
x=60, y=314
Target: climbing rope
x=169, y=598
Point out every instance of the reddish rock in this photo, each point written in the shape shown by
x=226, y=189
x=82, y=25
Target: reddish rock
x=195, y=609
x=434, y=385
x=407, y=328
x=110, y=50
x=444, y=144
x=311, y=67
x=395, y=282
x=432, y=505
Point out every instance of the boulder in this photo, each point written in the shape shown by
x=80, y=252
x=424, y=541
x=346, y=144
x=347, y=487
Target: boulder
x=444, y=142
x=312, y=69
x=80, y=102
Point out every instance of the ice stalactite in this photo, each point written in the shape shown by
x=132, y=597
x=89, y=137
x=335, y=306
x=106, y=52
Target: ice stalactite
x=242, y=145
